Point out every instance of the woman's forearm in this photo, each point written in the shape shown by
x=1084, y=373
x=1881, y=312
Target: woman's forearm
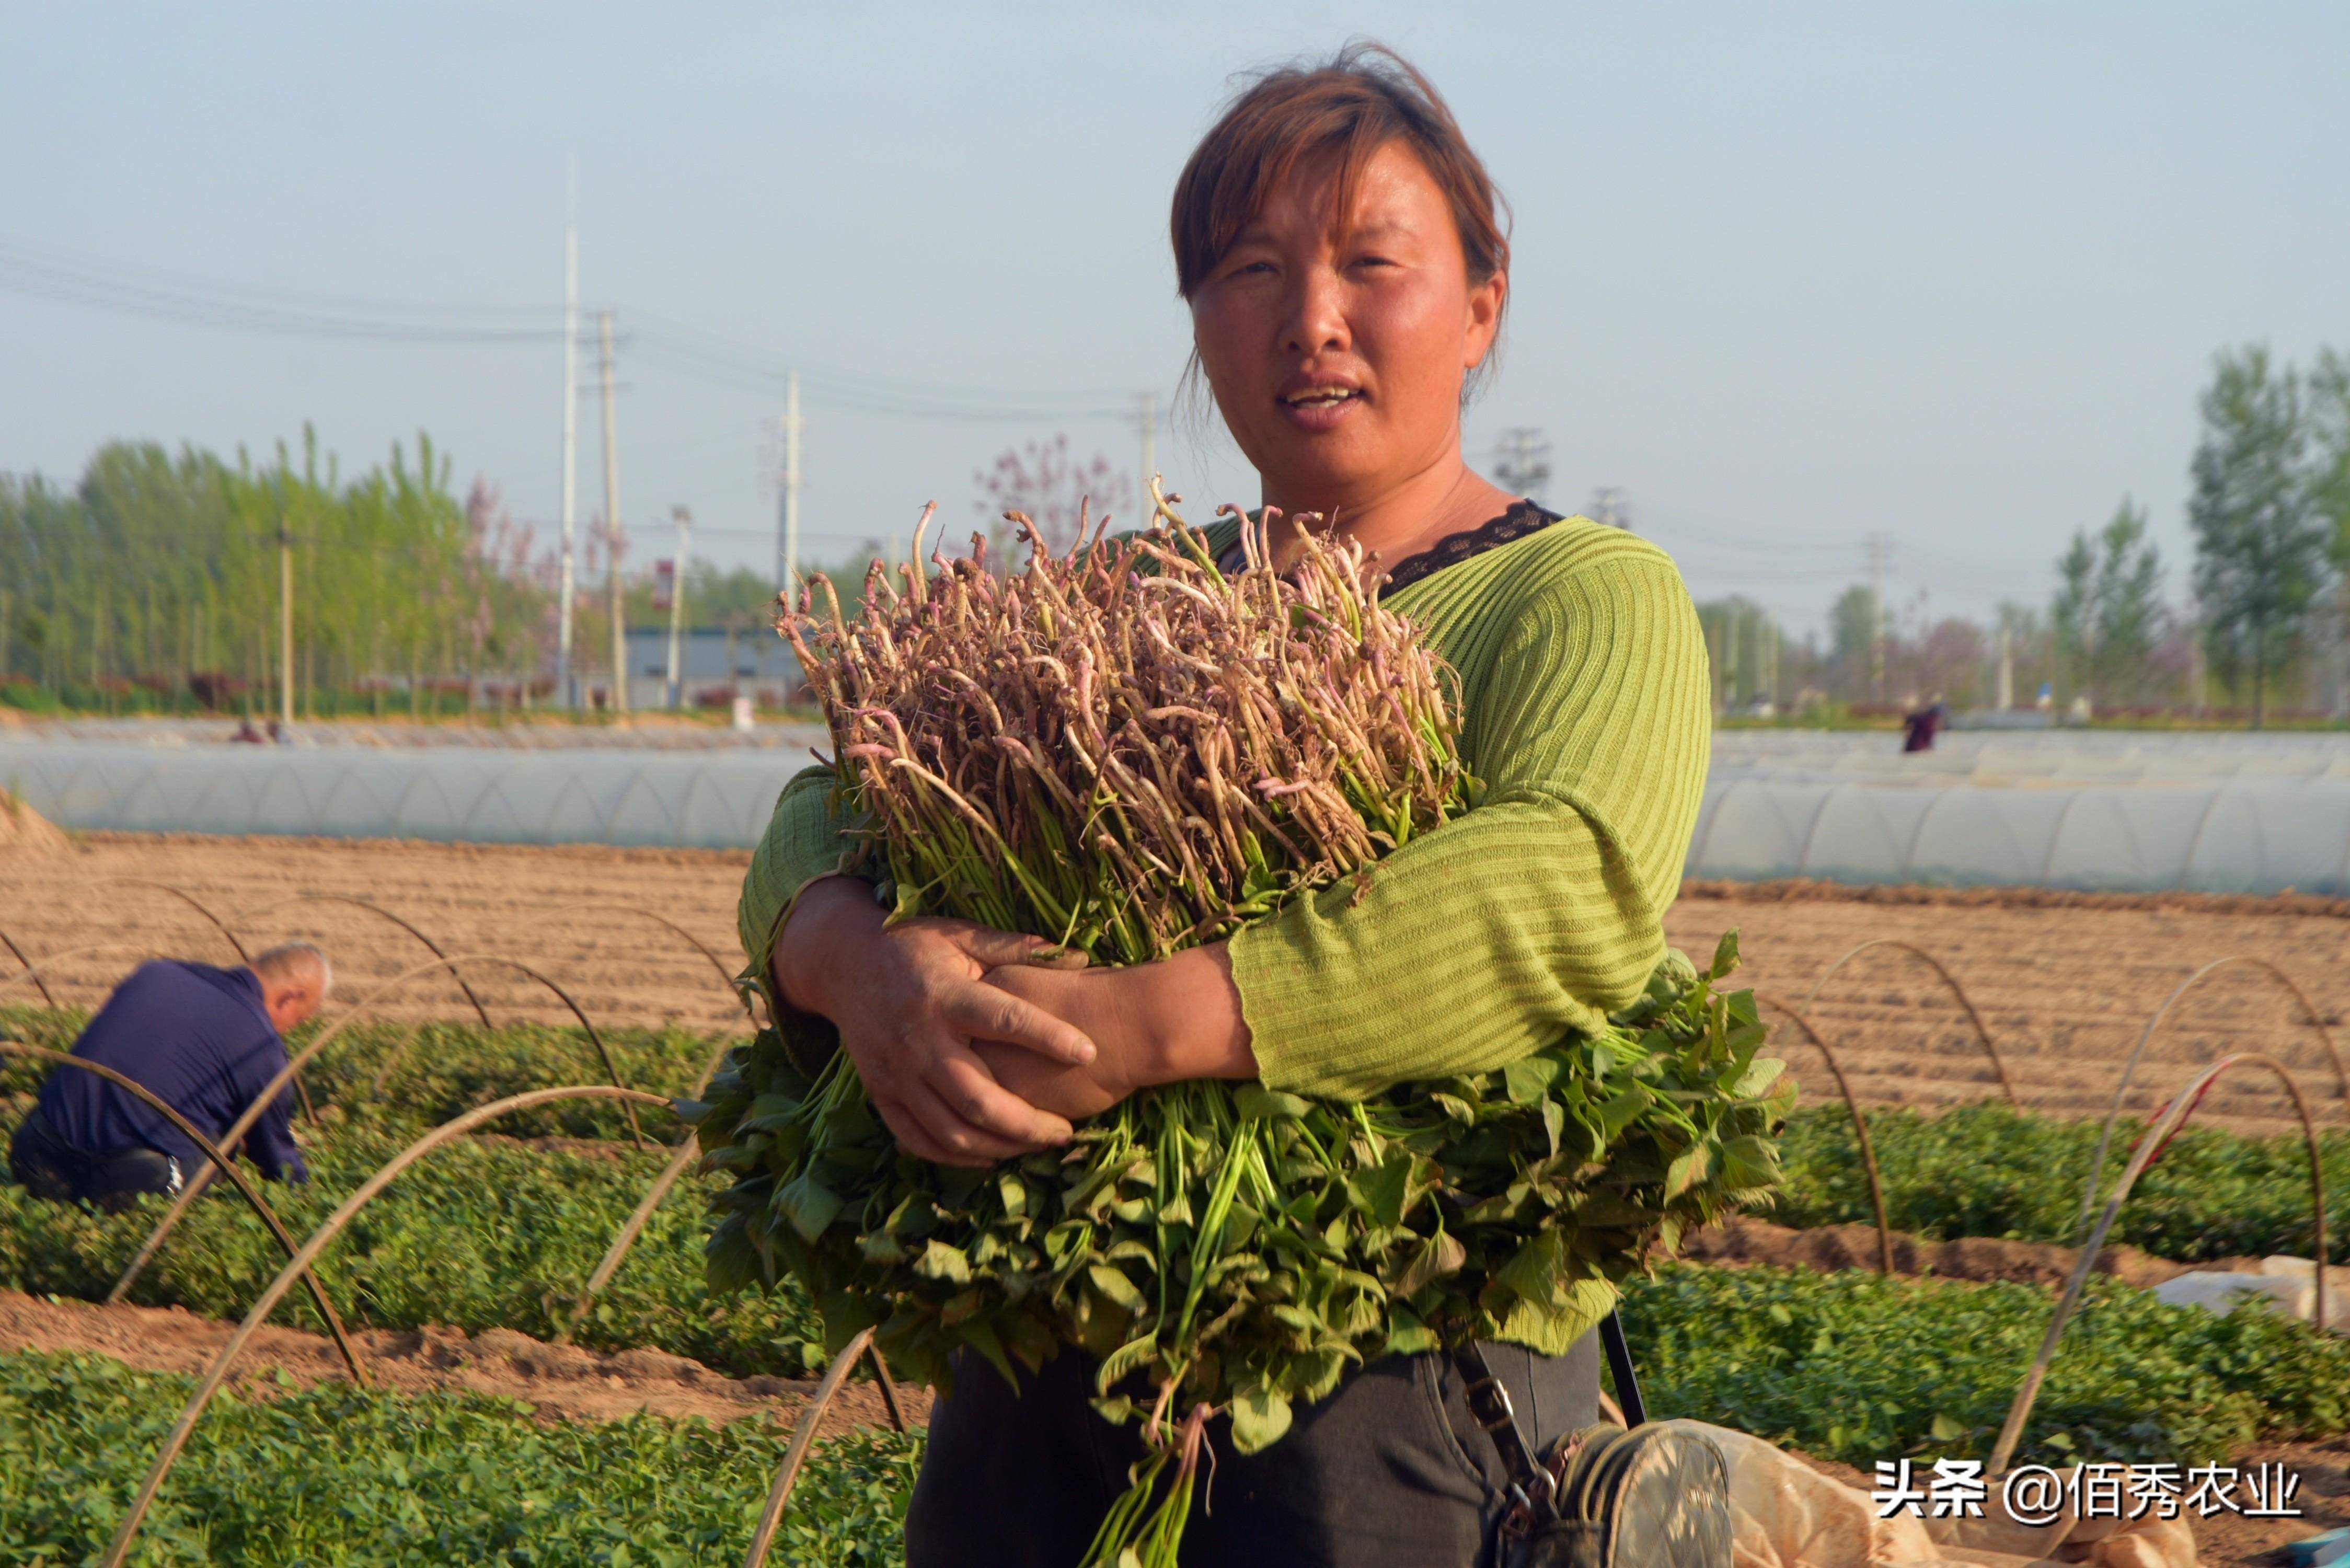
x=1191, y=1016
x=832, y=918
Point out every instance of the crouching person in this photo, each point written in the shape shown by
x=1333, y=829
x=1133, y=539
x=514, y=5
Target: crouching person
x=204, y=1041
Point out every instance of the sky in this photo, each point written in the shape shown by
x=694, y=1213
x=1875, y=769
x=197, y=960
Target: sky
x=1785, y=276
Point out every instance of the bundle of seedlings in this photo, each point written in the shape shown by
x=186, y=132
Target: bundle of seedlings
x=1131, y=751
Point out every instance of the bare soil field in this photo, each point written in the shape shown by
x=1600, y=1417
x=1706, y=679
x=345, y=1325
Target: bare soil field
x=559, y=1381
x=564, y=911
x=2066, y=982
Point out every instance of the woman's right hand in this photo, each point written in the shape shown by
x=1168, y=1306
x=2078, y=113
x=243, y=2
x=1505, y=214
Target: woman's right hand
x=909, y=1002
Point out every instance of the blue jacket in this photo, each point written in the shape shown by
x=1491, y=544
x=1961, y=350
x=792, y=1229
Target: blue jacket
x=201, y=1038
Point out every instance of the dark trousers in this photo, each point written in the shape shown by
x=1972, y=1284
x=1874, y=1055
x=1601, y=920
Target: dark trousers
x=1391, y=1471
x=48, y=1169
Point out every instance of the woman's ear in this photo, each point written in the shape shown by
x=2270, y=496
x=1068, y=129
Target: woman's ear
x=1484, y=318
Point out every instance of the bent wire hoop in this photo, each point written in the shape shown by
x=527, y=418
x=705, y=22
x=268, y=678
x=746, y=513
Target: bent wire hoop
x=787, y=1475
x=1859, y=1126
x=9, y=942
x=2129, y=1068
x=435, y=949
x=2151, y=1143
x=252, y=1113
x=219, y=1160
x=118, y=1549
x=1982, y=1031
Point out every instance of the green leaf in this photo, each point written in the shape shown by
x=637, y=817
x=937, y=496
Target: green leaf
x=1533, y=1271
x=1383, y=1192
x=1260, y=1416
x=1255, y=1101
x=1529, y=1079
x=1013, y=1192
x=1725, y=955
x=1748, y=1161
x=1692, y=1165
x=1114, y=1287
x=1550, y=1329
x=944, y=1264
x=1946, y=1430
x=1440, y=1257
x=1407, y=1335
x=808, y=1204
x=1134, y=1353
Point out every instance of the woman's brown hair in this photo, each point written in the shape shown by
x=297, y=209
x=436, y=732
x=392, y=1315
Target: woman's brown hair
x=1343, y=111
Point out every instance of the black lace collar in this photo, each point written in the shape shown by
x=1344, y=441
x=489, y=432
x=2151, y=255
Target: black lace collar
x=1522, y=518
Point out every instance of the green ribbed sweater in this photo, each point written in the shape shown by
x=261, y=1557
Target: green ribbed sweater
x=1585, y=709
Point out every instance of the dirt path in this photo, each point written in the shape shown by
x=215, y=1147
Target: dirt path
x=558, y=1380
x=2065, y=981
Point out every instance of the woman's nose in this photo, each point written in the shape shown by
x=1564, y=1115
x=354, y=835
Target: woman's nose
x=1317, y=312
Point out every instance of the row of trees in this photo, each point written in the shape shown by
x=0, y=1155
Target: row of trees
x=156, y=581
x=2265, y=619
x=164, y=572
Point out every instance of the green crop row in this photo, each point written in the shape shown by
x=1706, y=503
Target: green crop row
x=1849, y=1367
x=1979, y=1170
x=1987, y=1170
x=481, y=1233
x=444, y=1068
x=1856, y=1366
x=335, y=1476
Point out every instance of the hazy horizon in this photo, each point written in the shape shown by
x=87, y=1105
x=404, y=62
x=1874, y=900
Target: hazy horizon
x=1952, y=274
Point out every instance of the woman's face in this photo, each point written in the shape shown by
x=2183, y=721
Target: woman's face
x=1337, y=350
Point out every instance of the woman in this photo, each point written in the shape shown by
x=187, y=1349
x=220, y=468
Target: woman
x=1340, y=249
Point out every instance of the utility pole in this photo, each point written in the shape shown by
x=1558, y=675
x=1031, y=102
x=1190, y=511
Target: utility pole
x=1149, y=419
x=1730, y=657
x=285, y=618
x=612, y=519
x=1521, y=462
x=1877, y=544
x=1713, y=664
x=1607, y=507
x=2198, y=682
x=787, y=542
x=566, y=694
x=684, y=520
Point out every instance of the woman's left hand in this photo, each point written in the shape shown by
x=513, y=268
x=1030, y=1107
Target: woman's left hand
x=1151, y=1024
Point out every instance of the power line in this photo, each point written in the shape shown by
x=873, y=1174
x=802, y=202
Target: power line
x=49, y=272
x=39, y=270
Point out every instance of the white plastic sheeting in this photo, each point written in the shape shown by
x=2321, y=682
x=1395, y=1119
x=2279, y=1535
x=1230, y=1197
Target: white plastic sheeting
x=2231, y=837
x=685, y=799
x=2016, y=758
x=2218, y=813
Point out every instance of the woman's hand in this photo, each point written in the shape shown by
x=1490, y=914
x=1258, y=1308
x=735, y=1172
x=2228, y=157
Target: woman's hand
x=912, y=1004
x=1151, y=1024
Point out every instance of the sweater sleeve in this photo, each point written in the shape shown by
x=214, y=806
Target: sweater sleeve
x=805, y=839
x=1541, y=909
x=270, y=1143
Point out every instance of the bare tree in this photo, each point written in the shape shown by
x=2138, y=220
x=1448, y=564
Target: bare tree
x=1043, y=481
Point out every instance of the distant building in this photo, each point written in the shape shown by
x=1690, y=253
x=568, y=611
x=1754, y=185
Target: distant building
x=717, y=664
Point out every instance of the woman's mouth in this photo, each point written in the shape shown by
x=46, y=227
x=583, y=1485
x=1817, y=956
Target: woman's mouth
x=1320, y=408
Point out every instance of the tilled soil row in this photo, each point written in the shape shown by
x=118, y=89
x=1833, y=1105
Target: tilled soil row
x=572, y=1382
x=560, y=1381
x=2065, y=981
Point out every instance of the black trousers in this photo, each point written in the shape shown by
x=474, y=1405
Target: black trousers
x=1391, y=1471
x=50, y=1170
